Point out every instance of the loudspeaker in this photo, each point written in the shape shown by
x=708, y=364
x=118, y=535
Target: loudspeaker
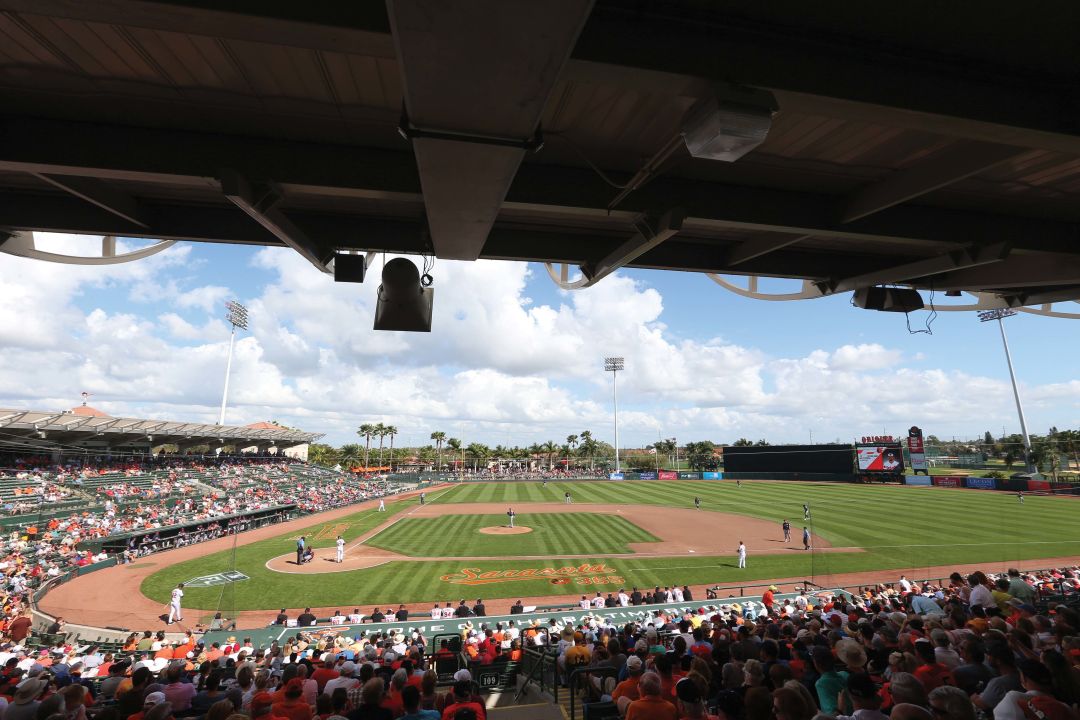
x=349, y=268
x=888, y=299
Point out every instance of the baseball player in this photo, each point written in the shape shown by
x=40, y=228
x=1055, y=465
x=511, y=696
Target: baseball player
x=742, y=554
x=805, y=539
x=300, y=546
x=382, y=505
x=697, y=503
x=175, y=613
x=1020, y=497
x=423, y=497
x=510, y=514
x=340, y=548
x=805, y=511
x=787, y=531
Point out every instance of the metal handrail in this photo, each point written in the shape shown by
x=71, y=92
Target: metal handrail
x=572, y=683
x=539, y=660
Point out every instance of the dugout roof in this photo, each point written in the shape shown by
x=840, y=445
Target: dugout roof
x=47, y=431
x=923, y=142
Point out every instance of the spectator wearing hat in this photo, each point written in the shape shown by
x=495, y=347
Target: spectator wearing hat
x=345, y=679
x=862, y=693
x=627, y=691
x=691, y=704
x=262, y=707
x=768, y=598
x=24, y=703
x=293, y=707
x=462, y=699
x=326, y=673
x=951, y=703
x=152, y=699
x=1038, y=684
x=650, y=704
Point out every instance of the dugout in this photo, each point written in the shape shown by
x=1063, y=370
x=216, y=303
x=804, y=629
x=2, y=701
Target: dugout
x=830, y=458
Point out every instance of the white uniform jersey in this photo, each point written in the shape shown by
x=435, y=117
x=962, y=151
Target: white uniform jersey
x=177, y=593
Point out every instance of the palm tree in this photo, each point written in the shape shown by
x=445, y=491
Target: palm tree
x=349, y=456
x=589, y=447
x=534, y=450
x=454, y=444
x=366, y=431
x=478, y=452
x=380, y=432
x=391, y=431
x=550, y=448
x=320, y=454
x=571, y=443
x=439, y=437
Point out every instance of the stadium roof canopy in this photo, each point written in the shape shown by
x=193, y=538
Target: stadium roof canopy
x=86, y=428
x=931, y=143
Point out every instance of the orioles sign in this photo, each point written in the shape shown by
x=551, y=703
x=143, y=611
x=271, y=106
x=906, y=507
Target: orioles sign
x=475, y=576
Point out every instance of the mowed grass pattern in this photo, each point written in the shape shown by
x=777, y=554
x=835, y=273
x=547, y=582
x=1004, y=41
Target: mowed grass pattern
x=901, y=529
x=552, y=534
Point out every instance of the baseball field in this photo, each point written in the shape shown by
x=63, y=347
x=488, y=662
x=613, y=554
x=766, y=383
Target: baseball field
x=623, y=533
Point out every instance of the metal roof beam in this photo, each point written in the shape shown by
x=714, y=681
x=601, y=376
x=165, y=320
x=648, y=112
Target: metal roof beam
x=649, y=235
x=262, y=207
x=958, y=259
x=756, y=248
x=97, y=193
x=951, y=165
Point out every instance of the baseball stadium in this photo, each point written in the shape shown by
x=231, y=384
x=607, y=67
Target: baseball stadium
x=872, y=173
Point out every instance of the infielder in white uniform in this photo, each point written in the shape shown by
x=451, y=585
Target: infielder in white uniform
x=175, y=613
x=742, y=554
x=382, y=506
x=340, y=548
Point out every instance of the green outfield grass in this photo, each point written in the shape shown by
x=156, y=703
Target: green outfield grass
x=553, y=534
x=898, y=528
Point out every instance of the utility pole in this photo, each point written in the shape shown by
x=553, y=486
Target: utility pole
x=999, y=314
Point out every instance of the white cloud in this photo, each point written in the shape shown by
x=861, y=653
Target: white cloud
x=499, y=367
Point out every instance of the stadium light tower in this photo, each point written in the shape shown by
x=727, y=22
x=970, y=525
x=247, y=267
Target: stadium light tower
x=999, y=314
x=613, y=365
x=237, y=316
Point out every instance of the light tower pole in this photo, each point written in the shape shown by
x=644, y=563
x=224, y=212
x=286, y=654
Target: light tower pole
x=999, y=314
x=237, y=316
x=613, y=365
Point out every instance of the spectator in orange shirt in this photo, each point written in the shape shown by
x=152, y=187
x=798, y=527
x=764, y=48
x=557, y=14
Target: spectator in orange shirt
x=930, y=672
x=293, y=706
x=627, y=691
x=463, y=700
x=650, y=705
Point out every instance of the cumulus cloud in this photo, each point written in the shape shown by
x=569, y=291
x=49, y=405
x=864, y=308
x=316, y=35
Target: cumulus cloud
x=500, y=367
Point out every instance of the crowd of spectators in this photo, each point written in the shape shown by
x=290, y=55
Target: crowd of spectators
x=52, y=543
x=978, y=647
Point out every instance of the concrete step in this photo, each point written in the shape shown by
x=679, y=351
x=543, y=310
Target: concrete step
x=535, y=711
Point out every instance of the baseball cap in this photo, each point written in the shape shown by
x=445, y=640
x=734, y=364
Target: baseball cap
x=1035, y=670
x=861, y=686
x=462, y=675
x=687, y=691
x=154, y=698
x=633, y=663
x=262, y=700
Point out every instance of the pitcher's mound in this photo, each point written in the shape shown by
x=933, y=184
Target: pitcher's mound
x=504, y=530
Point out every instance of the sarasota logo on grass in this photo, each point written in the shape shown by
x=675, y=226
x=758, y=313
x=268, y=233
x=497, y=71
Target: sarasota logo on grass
x=585, y=574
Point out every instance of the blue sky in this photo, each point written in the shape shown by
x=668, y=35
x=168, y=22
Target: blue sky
x=511, y=359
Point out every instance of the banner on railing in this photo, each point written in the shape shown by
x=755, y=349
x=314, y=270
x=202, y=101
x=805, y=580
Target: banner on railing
x=922, y=480
x=617, y=476
x=648, y=475
x=979, y=483
x=669, y=475
x=711, y=475
x=1038, y=484
x=685, y=475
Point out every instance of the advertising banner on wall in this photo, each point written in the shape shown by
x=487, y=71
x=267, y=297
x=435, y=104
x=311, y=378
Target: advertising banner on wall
x=684, y=475
x=979, y=483
x=616, y=476
x=923, y=480
x=669, y=475
x=916, y=450
x=948, y=481
x=648, y=475
x=711, y=475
